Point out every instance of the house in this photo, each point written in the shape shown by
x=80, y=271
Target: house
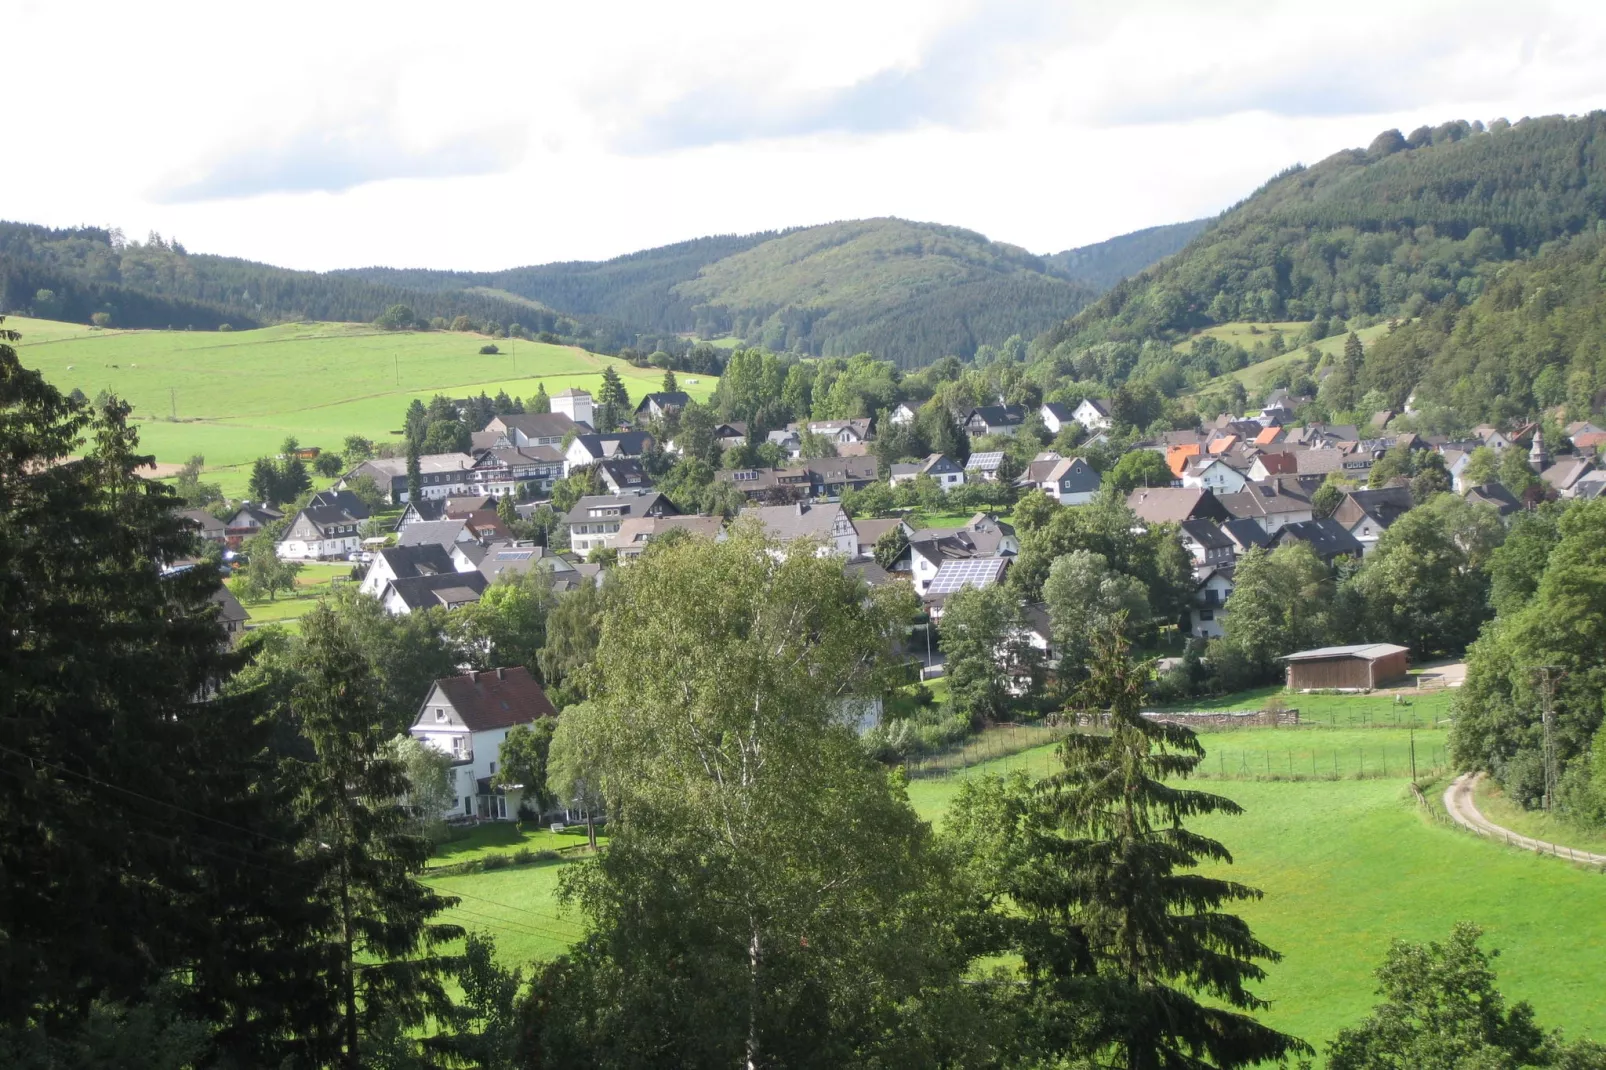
x=231, y=616
x=824, y=522
x=319, y=532
x=1493, y=494
x=1270, y=463
x=943, y=471
x=658, y=405
x=958, y=574
x=525, y=429
x=1565, y=473
x=594, y=521
x=1215, y=474
x=446, y=590
x=517, y=471
x=206, y=525
x=406, y=562
x=870, y=530
x=1366, y=514
x=1038, y=630
x=994, y=420
x=636, y=532
x=1093, y=414
x=1206, y=543
x=577, y=406
x=903, y=414
x=442, y=533
x=823, y=478
x=1361, y=667
x=983, y=536
x=1326, y=537
x=1246, y=535
x=1173, y=505
x=468, y=717
x=1056, y=416
x=984, y=466
x=1488, y=435
x=789, y=441
x=1207, y=616
x=1271, y=503
x=1268, y=436
x=622, y=475
x=510, y=558
x=842, y=432
x=589, y=449
x=731, y=435
x=247, y=520
x=440, y=475
x=1068, y=480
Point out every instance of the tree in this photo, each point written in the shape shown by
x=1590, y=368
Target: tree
x=416, y=424
x=986, y=652
x=506, y=627
x=1115, y=913
x=264, y=482
x=357, y=449
x=1442, y=1011
x=889, y=546
x=1515, y=473
x=415, y=478
x=669, y=384
x=328, y=464
x=1420, y=587
x=1328, y=497
x=266, y=573
x=539, y=402
x=613, y=400
x=293, y=478
x=1278, y=605
x=568, y=658
x=522, y=763
x=1086, y=597
x=428, y=771
x=365, y=847
x=396, y=318
x=723, y=749
x=1482, y=467
x=448, y=436
x=1138, y=468
x=368, y=492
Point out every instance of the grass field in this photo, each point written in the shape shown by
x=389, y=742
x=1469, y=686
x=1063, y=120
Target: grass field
x=1420, y=709
x=1495, y=806
x=234, y=396
x=504, y=838
x=312, y=584
x=1255, y=376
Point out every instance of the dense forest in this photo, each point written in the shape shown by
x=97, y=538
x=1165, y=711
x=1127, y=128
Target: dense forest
x=1384, y=231
x=1103, y=264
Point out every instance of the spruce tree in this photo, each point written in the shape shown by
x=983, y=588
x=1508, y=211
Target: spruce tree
x=415, y=478
x=1117, y=920
x=417, y=422
x=364, y=849
x=264, y=485
x=539, y=402
x=670, y=385
x=1354, y=354
x=613, y=400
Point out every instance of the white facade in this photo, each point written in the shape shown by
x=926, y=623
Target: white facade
x=475, y=756
x=1090, y=416
x=1208, y=615
x=903, y=414
x=305, y=541
x=575, y=404
x=1216, y=475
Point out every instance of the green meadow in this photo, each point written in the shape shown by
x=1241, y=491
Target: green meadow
x=1346, y=866
x=235, y=396
x=1256, y=376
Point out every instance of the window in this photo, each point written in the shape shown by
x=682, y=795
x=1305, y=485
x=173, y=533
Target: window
x=493, y=768
x=468, y=805
x=440, y=715
x=459, y=745
x=1207, y=614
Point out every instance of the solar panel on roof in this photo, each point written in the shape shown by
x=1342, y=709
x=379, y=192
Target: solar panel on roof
x=515, y=555
x=965, y=572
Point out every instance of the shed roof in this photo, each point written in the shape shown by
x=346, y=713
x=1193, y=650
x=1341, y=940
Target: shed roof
x=1368, y=651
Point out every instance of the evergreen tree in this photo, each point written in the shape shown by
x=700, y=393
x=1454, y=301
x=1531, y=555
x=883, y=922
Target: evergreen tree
x=417, y=422
x=670, y=386
x=1114, y=913
x=264, y=484
x=415, y=479
x=364, y=850
x=613, y=400
x=539, y=402
x=1354, y=357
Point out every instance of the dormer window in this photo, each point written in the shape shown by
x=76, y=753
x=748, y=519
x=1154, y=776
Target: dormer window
x=440, y=715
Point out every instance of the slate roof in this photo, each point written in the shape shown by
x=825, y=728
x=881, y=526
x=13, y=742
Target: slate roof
x=800, y=520
x=616, y=444
x=1269, y=497
x=229, y=608
x=673, y=399
x=626, y=504
x=538, y=424
x=1494, y=494
x=496, y=698
x=1245, y=533
x=418, y=559
x=439, y=532
x=1327, y=537
x=1062, y=413
x=422, y=592
x=998, y=415
x=1207, y=534
x=1384, y=505
x=343, y=500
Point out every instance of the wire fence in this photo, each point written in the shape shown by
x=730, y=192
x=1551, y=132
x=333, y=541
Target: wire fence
x=1002, y=741
x=1504, y=836
x=1360, y=762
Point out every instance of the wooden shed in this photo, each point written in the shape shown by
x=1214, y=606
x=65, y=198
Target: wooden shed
x=1351, y=668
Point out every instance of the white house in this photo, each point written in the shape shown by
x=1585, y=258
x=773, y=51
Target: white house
x=943, y=470
x=589, y=449
x=842, y=432
x=903, y=414
x=825, y=522
x=1056, y=416
x=1068, y=480
x=575, y=404
x=1207, y=616
x=1214, y=474
x=533, y=428
x=319, y=532
x=594, y=521
x=1093, y=414
x=468, y=717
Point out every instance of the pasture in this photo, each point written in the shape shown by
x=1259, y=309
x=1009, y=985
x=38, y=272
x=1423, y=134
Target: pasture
x=234, y=396
x=1256, y=376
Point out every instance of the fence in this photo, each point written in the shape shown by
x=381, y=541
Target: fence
x=1499, y=835
x=1360, y=762
x=999, y=741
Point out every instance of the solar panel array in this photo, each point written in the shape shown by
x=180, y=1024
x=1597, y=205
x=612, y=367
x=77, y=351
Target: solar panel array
x=989, y=459
x=966, y=572
x=514, y=555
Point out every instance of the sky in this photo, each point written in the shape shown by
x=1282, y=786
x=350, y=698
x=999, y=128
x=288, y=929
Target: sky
x=483, y=135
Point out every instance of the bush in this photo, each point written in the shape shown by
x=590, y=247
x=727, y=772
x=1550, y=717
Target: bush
x=490, y=862
x=489, y=350
x=523, y=856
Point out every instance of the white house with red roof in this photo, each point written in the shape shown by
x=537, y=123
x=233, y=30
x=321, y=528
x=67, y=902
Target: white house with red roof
x=468, y=717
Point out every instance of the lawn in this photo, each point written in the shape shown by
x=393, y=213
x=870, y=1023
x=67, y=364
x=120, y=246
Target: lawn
x=314, y=582
x=1356, y=711
x=504, y=838
x=1494, y=805
x=234, y=396
x=518, y=905
x=1255, y=376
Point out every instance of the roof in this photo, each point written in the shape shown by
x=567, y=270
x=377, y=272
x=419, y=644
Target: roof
x=572, y=392
x=800, y=520
x=986, y=461
x=955, y=574
x=1368, y=651
x=1162, y=505
x=343, y=500
x=229, y=608
x=866, y=569
x=872, y=528
x=537, y=424
x=1494, y=494
x=1326, y=536
x=418, y=559
x=1245, y=532
x=1058, y=411
x=1176, y=457
x=1282, y=462
x=440, y=532
x=625, y=443
x=997, y=415
x=1385, y=505
x=1207, y=534
x=497, y=698
x=1100, y=405
x=384, y=468
x=201, y=518
x=1269, y=497
x=664, y=399
x=1268, y=435
x=517, y=558
x=625, y=504
x=421, y=592
x=640, y=530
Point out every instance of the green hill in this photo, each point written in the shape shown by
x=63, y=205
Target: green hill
x=1380, y=232
x=1103, y=264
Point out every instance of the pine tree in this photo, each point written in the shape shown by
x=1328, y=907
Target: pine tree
x=670, y=386
x=417, y=422
x=540, y=402
x=415, y=479
x=264, y=485
x=364, y=848
x=613, y=400
x=1109, y=919
x=1354, y=354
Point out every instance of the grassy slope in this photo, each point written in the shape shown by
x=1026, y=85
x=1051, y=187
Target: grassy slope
x=312, y=584
x=1255, y=376
x=1494, y=805
x=237, y=395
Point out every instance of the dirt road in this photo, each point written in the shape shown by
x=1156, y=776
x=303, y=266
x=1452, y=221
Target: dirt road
x=1459, y=803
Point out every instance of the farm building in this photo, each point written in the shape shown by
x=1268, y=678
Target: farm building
x=1361, y=667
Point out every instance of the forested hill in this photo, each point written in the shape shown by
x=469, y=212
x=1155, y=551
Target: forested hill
x=907, y=292
x=1103, y=264
x=1382, y=231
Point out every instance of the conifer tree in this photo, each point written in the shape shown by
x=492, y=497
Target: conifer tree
x=415, y=478
x=364, y=849
x=417, y=422
x=670, y=385
x=1354, y=353
x=1116, y=919
x=612, y=399
x=539, y=402
x=264, y=485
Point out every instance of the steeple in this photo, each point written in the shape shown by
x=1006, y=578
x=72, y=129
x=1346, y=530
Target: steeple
x=1538, y=459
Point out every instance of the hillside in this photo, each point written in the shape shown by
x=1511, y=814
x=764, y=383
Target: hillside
x=1103, y=264
x=1378, y=232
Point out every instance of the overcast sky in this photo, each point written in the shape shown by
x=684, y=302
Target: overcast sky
x=485, y=135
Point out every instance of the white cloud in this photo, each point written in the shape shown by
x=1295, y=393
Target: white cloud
x=328, y=135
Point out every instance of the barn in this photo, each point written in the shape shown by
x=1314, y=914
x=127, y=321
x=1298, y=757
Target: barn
x=1351, y=668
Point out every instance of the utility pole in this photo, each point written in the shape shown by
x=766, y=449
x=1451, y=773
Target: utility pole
x=397, y=358
x=1547, y=713
x=172, y=400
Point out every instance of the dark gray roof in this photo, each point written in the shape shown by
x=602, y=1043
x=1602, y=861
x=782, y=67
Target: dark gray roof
x=1384, y=505
x=1245, y=532
x=625, y=504
x=674, y=399
x=1207, y=534
x=1327, y=537
x=344, y=500
x=1494, y=494
x=421, y=592
x=538, y=424
x=998, y=415
x=418, y=559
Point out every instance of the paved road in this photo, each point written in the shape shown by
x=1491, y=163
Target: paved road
x=1459, y=803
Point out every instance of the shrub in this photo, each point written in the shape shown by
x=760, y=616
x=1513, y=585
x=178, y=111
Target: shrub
x=523, y=856
x=489, y=349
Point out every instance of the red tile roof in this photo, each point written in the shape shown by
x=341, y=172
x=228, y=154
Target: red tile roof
x=496, y=698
